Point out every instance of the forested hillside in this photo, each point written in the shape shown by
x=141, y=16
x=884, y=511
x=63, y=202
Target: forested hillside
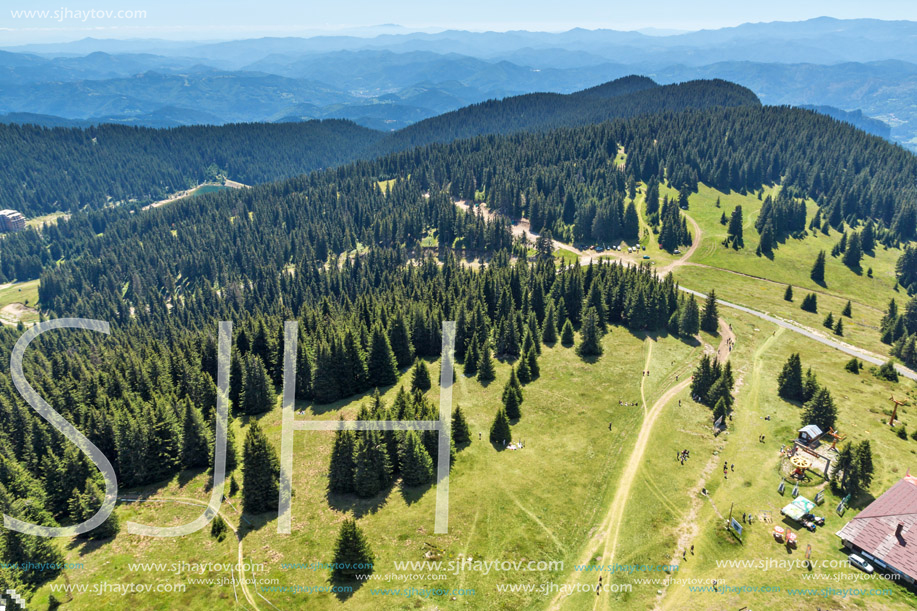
x=72, y=169
x=626, y=97
x=342, y=251
x=69, y=169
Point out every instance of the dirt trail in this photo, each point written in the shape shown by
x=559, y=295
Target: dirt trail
x=610, y=527
x=240, y=562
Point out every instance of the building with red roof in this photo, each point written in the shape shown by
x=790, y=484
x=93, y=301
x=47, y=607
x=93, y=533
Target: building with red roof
x=885, y=533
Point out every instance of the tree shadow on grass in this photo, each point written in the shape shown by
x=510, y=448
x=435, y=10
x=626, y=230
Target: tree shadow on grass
x=88, y=546
x=412, y=494
x=359, y=507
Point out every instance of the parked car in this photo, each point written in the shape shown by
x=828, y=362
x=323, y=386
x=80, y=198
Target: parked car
x=860, y=563
x=677, y=251
x=646, y=256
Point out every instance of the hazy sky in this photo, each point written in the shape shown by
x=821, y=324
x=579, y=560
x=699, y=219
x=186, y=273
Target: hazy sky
x=190, y=19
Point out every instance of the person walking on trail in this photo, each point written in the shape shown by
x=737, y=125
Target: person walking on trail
x=732, y=467
x=692, y=549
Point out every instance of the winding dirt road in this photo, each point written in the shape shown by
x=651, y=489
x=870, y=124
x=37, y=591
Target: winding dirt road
x=235, y=531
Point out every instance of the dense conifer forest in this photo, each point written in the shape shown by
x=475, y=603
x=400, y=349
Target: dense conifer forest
x=370, y=258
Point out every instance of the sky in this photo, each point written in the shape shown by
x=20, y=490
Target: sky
x=66, y=20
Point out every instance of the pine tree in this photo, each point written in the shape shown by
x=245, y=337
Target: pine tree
x=218, y=528
x=499, y=429
x=400, y=340
x=460, y=431
x=165, y=442
x=734, y=231
x=381, y=365
x=689, y=322
x=417, y=466
x=372, y=465
x=853, y=366
x=84, y=505
x=829, y=321
x=810, y=303
x=820, y=410
x=486, y=372
x=591, y=344
x=788, y=294
x=531, y=360
x=340, y=473
x=854, y=252
x=847, y=311
x=720, y=410
x=710, y=319
x=839, y=327
x=260, y=472
x=566, y=334
x=472, y=356
x=789, y=382
x=549, y=328
x=195, y=439
x=525, y=375
x=513, y=385
x=818, y=269
x=420, y=377
x=352, y=554
x=512, y=403
x=810, y=385
x=258, y=394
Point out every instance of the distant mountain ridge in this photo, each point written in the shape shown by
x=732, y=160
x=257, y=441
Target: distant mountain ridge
x=387, y=78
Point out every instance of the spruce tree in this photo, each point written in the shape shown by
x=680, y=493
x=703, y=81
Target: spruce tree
x=417, y=466
x=853, y=366
x=818, y=269
x=839, y=327
x=195, y=439
x=854, y=252
x=710, y=319
x=525, y=375
x=373, y=467
x=352, y=554
x=512, y=403
x=165, y=447
x=260, y=472
x=820, y=410
x=472, y=356
x=486, y=371
x=218, y=528
x=689, y=321
x=531, y=360
x=566, y=334
x=847, y=311
x=810, y=303
x=720, y=410
x=420, y=377
x=734, y=231
x=400, y=340
x=340, y=473
x=549, y=328
x=788, y=294
x=591, y=344
x=499, y=429
x=84, y=505
x=789, y=382
x=460, y=431
x=381, y=365
x=829, y=321
x=258, y=394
